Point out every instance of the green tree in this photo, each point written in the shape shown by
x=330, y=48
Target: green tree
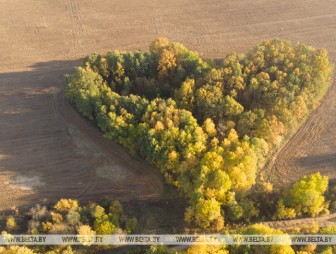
x=258, y=249
x=206, y=213
x=185, y=95
x=306, y=197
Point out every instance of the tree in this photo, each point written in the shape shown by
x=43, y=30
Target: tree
x=16, y=250
x=98, y=212
x=85, y=232
x=330, y=230
x=185, y=95
x=131, y=224
x=207, y=249
x=305, y=197
x=166, y=64
x=159, y=44
x=66, y=205
x=116, y=208
x=209, y=102
x=83, y=90
x=231, y=106
x=206, y=213
x=261, y=229
x=284, y=212
x=11, y=224
x=104, y=225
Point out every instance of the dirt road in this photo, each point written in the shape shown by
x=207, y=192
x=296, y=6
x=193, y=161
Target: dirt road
x=47, y=151
x=322, y=222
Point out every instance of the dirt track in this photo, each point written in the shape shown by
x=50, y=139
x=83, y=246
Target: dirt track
x=299, y=223
x=312, y=148
x=47, y=151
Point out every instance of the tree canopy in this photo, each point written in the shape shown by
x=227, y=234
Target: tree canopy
x=208, y=126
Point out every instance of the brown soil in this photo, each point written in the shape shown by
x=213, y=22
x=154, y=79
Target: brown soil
x=47, y=151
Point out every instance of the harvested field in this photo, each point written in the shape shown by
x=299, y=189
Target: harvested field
x=48, y=151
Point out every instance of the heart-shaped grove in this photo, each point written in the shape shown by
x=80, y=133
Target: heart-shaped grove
x=209, y=126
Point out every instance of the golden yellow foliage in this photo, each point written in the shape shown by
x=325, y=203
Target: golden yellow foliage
x=65, y=205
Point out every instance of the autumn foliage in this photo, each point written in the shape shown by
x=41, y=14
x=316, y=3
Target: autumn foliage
x=208, y=126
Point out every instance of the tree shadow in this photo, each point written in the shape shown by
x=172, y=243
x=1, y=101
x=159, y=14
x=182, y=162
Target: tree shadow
x=323, y=163
x=48, y=151
x=316, y=160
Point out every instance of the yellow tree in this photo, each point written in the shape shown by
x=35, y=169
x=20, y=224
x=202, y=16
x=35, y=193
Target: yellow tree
x=158, y=44
x=166, y=64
